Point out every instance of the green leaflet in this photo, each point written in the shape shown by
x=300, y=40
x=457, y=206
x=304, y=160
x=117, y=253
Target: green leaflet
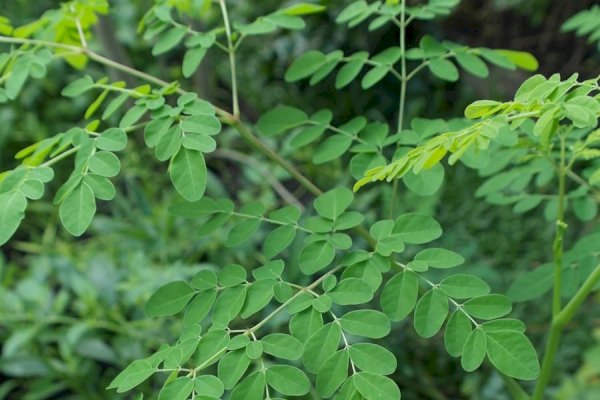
x=232, y=367
x=417, y=228
x=169, y=40
x=373, y=358
x=333, y=203
x=288, y=380
x=474, y=350
x=112, y=139
x=333, y=373
x=439, y=258
x=304, y=324
x=179, y=389
x=258, y=297
x=281, y=119
x=399, y=296
x=463, y=286
x=231, y=275
x=488, y=306
x=315, y=256
x=77, y=209
x=366, y=323
x=188, y=174
x=305, y=65
x=105, y=163
x=169, y=299
x=430, y=313
x=191, y=60
x=443, y=69
x=251, y=388
x=12, y=212
x=321, y=344
x=135, y=373
x=208, y=385
x=278, y=240
x=376, y=387
x=282, y=346
x=456, y=333
x=513, y=354
x=351, y=291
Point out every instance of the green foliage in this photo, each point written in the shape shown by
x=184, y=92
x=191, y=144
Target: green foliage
x=585, y=23
x=301, y=299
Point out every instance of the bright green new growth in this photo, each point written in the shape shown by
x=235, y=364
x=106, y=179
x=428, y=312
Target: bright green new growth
x=251, y=331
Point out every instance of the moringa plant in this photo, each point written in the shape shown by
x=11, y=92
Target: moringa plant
x=332, y=280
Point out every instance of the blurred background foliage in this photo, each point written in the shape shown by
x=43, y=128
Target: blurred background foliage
x=71, y=309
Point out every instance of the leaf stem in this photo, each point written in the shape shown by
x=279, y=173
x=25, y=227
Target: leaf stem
x=402, y=65
x=557, y=248
x=232, y=64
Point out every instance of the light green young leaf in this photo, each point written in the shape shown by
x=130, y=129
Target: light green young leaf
x=169, y=299
x=288, y=380
x=474, y=350
x=77, y=209
x=521, y=59
x=303, y=9
x=373, y=358
x=430, y=313
x=333, y=373
x=399, y=295
x=367, y=323
x=188, y=174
